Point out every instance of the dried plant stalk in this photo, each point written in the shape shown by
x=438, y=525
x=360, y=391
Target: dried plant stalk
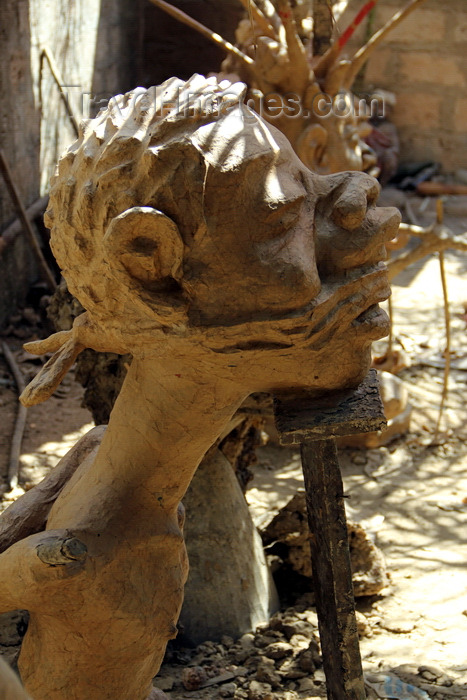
x=447, y=323
x=20, y=424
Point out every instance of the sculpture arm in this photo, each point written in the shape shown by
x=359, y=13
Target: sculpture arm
x=28, y=514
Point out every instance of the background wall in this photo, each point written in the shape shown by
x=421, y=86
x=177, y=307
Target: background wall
x=168, y=48
x=89, y=40
x=424, y=62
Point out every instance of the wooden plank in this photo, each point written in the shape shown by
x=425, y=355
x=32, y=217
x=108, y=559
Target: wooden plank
x=346, y=412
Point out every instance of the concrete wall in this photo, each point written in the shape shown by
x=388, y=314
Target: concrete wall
x=424, y=62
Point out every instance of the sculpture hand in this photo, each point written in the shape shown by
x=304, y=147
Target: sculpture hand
x=28, y=566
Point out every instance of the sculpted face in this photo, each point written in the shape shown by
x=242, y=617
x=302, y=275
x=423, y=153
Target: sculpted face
x=279, y=237
x=208, y=237
x=302, y=251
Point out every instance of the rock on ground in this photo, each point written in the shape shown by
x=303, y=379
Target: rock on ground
x=290, y=529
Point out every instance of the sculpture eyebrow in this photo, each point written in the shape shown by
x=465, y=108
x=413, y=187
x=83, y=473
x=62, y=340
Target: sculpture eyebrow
x=279, y=208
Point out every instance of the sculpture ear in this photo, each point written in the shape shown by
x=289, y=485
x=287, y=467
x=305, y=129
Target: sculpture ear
x=147, y=243
x=311, y=147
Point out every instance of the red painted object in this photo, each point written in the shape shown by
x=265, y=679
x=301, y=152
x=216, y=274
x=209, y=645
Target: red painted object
x=343, y=39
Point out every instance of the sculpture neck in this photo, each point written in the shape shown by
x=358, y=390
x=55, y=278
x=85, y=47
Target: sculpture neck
x=164, y=421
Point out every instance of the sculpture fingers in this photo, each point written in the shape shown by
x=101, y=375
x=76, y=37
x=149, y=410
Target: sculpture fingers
x=51, y=374
x=51, y=344
x=66, y=346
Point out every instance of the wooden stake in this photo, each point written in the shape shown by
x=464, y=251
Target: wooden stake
x=314, y=424
x=322, y=27
x=391, y=329
x=332, y=577
x=447, y=324
x=20, y=424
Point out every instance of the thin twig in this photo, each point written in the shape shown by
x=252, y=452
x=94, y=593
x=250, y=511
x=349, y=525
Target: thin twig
x=391, y=330
x=326, y=61
x=442, y=232
x=357, y=20
x=20, y=424
x=9, y=234
x=270, y=12
x=57, y=76
x=257, y=16
x=433, y=239
x=22, y=215
x=202, y=29
x=447, y=324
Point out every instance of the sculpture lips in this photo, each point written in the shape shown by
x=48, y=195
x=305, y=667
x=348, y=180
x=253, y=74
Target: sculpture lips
x=373, y=318
x=371, y=267
x=374, y=321
x=374, y=313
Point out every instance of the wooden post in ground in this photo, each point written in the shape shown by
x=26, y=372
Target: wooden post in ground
x=314, y=424
x=322, y=26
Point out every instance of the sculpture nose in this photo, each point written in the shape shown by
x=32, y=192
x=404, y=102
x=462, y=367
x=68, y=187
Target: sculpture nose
x=354, y=232
x=360, y=192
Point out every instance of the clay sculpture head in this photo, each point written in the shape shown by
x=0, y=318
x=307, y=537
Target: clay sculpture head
x=186, y=225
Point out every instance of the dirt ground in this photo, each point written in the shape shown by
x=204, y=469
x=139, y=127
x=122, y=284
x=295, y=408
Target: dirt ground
x=411, y=495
